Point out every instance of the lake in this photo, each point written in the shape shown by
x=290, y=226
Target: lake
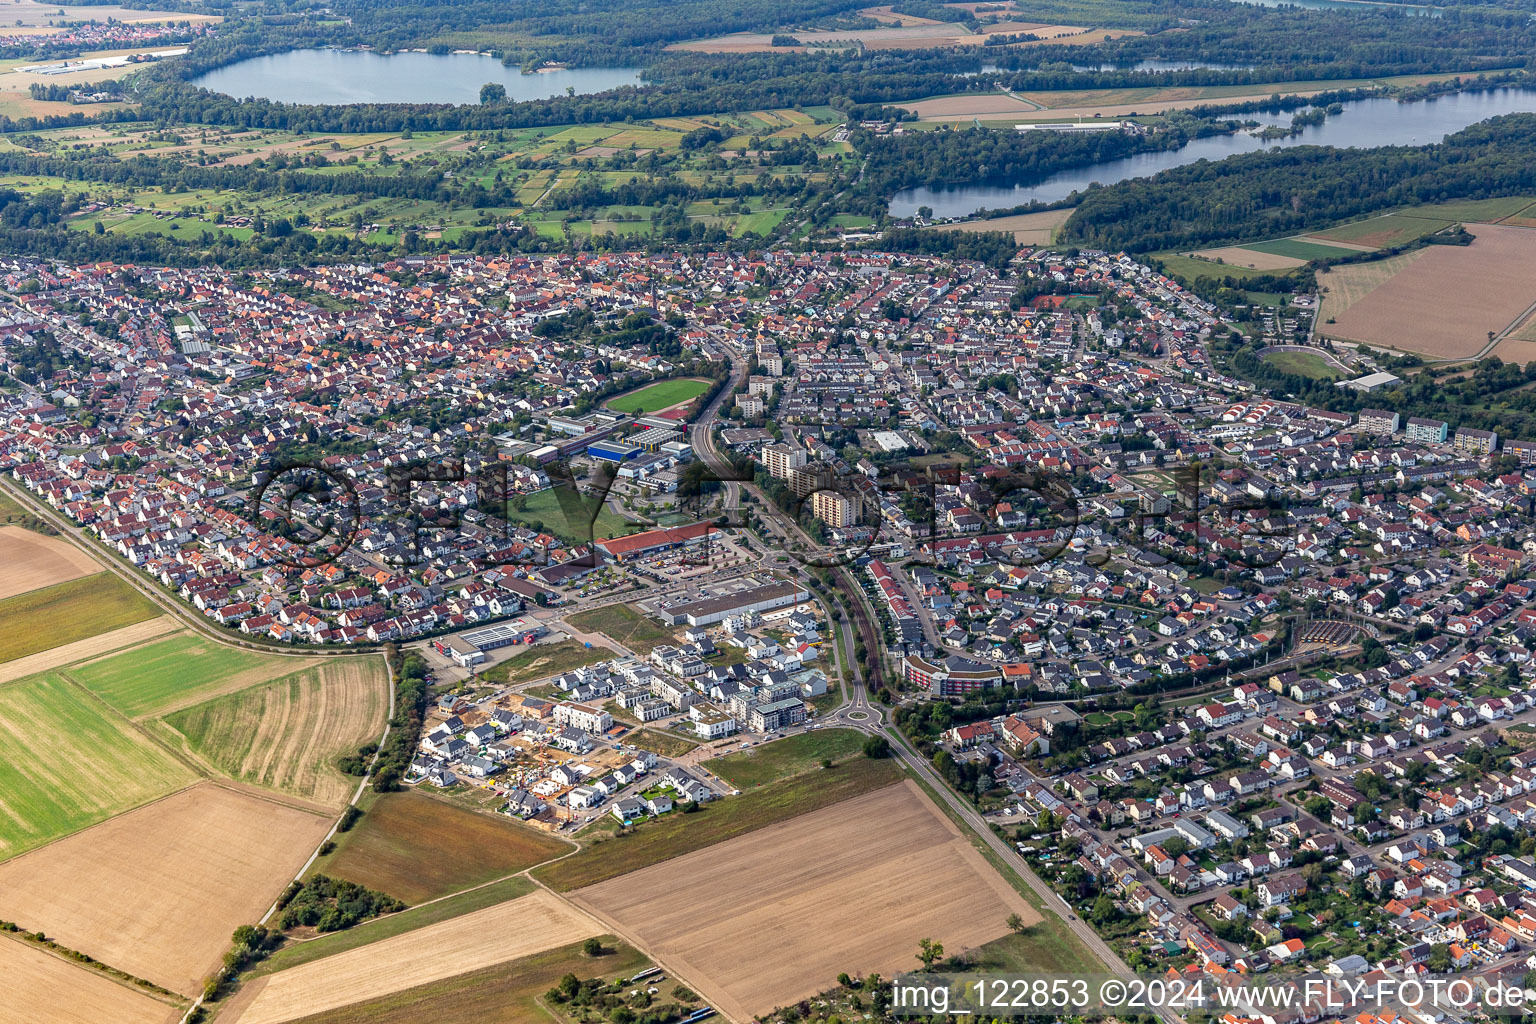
x=358, y=76
x=1364, y=123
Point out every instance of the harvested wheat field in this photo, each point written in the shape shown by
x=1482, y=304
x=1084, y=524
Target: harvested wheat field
x=90, y=647
x=286, y=734
x=33, y=560
x=772, y=917
x=156, y=892
x=1440, y=301
x=507, y=931
x=1027, y=228
x=1234, y=255
x=43, y=988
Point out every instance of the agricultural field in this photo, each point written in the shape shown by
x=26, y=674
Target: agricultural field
x=286, y=734
x=49, y=617
x=32, y=14
x=508, y=993
x=1237, y=256
x=66, y=762
x=330, y=943
x=1441, y=301
x=921, y=34
x=33, y=560
x=792, y=755
x=1298, y=249
x=157, y=891
x=661, y=395
x=543, y=660
x=1027, y=228
x=624, y=626
x=419, y=848
x=91, y=647
x=729, y=936
x=508, y=931
x=42, y=987
x=1383, y=232
x=674, y=835
x=178, y=671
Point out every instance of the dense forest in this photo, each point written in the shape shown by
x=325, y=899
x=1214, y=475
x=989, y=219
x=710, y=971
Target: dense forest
x=1285, y=191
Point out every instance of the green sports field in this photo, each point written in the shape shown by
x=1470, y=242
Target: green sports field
x=66, y=762
x=663, y=394
x=148, y=679
x=50, y=617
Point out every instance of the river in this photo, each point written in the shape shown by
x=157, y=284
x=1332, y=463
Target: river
x=358, y=76
x=1364, y=123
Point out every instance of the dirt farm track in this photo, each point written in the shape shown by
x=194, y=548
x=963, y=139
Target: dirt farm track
x=772, y=917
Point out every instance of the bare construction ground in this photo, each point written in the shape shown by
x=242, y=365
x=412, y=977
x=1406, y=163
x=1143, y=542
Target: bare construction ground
x=44, y=988
x=1234, y=255
x=507, y=931
x=1441, y=301
x=1027, y=228
x=766, y=919
x=156, y=892
x=33, y=560
x=90, y=647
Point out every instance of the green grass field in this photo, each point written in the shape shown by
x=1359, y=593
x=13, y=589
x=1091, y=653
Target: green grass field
x=146, y=679
x=67, y=762
x=542, y=511
x=41, y=620
x=395, y=924
x=1303, y=364
x=417, y=848
x=1299, y=250
x=544, y=660
x=624, y=626
x=676, y=834
x=792, y=755
x=662, y=395
x=509, y=993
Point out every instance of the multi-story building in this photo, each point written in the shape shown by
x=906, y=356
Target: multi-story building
x=1476, y=442
x=710, y=721
x=834, y=509
x=1378, y=421
x=1524, y=451
x=1427, y=430
x=782, y=459
x=583, y=717
x=778, y=714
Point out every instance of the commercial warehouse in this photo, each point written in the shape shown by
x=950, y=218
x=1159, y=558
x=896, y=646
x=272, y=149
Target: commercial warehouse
x=718, y=609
